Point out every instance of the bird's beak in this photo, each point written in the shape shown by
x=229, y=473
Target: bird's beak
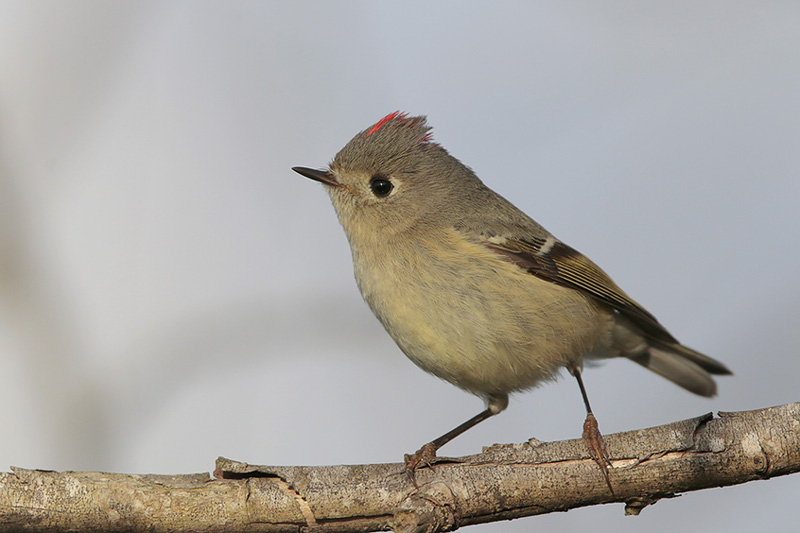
x=318, y=175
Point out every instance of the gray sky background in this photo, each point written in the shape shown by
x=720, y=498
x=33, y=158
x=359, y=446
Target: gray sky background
x=170, y=291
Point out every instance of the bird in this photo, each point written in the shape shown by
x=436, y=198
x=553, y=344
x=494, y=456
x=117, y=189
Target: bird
x=477, y=293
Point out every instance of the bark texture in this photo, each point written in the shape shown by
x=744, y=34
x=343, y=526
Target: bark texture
x=503, y=482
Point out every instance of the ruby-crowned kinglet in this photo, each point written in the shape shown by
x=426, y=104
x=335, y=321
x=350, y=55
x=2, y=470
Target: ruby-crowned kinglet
x=474, y=291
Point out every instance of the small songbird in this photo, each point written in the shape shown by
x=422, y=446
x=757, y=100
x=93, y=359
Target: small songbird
x=474, y=291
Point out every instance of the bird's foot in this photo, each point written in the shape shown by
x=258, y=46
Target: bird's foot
x=597, y=448
x=422, y=457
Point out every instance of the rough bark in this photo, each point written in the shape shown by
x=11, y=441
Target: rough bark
x=505, y=481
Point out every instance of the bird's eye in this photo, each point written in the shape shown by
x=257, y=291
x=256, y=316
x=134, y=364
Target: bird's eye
x=380, y=186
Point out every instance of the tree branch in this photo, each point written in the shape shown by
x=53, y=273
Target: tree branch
x=503, y=482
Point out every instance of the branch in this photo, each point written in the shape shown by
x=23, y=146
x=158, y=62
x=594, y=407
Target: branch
x=503, y=482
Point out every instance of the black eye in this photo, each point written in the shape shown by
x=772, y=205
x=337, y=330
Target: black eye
x=380, y=186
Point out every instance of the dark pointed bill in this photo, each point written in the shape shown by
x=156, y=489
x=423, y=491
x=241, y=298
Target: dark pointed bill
x=318, y=175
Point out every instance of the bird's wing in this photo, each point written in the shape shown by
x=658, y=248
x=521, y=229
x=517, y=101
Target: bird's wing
x=550, y=259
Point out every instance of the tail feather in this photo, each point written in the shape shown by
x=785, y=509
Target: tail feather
x=712, y=366
x=681, y=365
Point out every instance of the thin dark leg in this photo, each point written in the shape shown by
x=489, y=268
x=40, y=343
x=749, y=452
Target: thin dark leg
x=428, y=452
x=453, y=433
x=577, y=375
x=592, y=436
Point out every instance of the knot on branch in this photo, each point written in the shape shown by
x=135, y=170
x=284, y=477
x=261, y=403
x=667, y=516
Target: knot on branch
x=431, y=508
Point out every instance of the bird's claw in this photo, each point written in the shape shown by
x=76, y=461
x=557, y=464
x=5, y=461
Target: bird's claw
x=421, y=457
x=597, y=448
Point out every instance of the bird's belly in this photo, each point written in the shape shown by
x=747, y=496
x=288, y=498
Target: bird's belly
x=484, y=335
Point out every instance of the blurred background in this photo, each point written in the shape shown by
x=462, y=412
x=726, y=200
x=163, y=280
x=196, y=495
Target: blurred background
x=171, y=292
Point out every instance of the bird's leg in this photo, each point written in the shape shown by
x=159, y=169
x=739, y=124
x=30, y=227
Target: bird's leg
x=427, y=453
x=591, y=434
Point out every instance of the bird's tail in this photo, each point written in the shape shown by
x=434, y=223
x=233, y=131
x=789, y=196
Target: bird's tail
x=686, y=367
